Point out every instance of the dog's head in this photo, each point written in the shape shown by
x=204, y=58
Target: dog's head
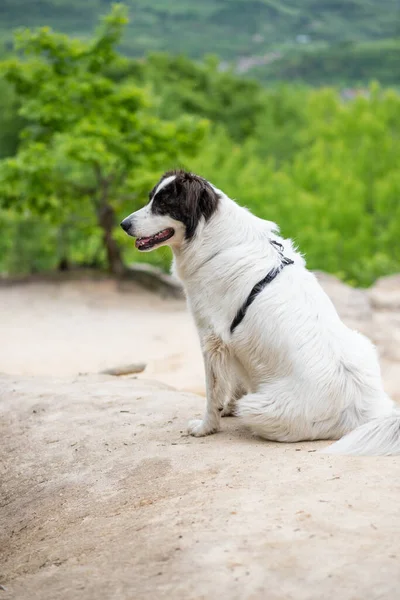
x=177, y=204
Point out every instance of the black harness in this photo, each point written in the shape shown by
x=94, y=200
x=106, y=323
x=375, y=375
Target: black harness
x=261, y=285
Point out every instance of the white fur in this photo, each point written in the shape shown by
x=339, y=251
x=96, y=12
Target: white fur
x=291, y=370
x=164, y=183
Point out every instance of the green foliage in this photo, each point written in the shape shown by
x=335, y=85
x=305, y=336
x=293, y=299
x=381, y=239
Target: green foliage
x=224, y=27
x=339, y=64
x=99, y=129
x=10, y=123
x=182, y=86
x=338, y=196
x=87, y=140
x=309, y=34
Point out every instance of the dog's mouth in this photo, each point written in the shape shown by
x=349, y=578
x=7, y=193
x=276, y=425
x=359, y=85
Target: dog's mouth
x=146, y=243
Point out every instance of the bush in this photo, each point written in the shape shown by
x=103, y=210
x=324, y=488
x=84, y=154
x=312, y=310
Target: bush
x=338, y=195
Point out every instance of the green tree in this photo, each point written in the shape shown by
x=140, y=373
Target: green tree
x=337, y=195
x=10, y=123
x=90, y=143
x=185, y=86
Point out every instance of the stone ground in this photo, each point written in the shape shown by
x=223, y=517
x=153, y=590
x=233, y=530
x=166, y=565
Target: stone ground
x=103, y=496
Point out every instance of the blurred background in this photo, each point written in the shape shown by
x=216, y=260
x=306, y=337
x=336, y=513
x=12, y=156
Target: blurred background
x=292, y=107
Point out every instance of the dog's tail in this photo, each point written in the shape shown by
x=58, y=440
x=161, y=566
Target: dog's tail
x=379, y=437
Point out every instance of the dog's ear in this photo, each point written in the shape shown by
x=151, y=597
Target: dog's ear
x=201, y=201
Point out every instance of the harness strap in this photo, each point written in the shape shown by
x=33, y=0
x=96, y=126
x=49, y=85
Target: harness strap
x=261, y=285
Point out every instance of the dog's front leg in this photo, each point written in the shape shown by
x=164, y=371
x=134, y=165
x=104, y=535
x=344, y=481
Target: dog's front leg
x=216, y=361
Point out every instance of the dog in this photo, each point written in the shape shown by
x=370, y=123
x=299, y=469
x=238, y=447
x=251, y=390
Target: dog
x=276, y=353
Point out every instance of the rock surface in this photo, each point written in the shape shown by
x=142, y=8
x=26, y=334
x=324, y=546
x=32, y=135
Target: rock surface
x=104, y=498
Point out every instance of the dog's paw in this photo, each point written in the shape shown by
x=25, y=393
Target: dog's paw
x=200, y=428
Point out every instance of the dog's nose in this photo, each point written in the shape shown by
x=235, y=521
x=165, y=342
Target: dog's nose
x=126, y=224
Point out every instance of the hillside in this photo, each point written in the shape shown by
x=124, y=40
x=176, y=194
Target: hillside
x=290, y=35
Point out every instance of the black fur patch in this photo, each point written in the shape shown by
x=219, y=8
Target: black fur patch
x=187, y=199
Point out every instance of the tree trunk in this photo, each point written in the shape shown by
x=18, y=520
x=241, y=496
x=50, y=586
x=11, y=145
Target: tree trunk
x=106, y=219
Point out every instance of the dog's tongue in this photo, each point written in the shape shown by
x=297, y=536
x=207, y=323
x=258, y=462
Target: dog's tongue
x=142, y=241
x=161, y=236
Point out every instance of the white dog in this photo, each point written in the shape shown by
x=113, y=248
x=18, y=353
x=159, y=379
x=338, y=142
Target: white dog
x=276, y=353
